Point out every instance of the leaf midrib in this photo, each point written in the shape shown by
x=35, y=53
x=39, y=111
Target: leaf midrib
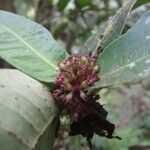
x=29, y=46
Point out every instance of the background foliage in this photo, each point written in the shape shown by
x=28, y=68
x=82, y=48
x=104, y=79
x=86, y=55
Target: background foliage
x=72, y=22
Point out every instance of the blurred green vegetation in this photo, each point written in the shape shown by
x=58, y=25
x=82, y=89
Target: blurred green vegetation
x=72, y=22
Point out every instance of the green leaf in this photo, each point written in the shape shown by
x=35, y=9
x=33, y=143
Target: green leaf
x=29, y=47
x=127, y=58
x=113, y=30
x=82, y=3
x=27, y=111
x=62, y=4
x=140, y=3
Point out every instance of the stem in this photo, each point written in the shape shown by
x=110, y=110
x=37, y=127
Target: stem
x=89, y=143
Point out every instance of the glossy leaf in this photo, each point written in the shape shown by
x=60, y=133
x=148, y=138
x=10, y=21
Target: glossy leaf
x=29, y=47
x=112, y=31
x=127, y=58
x=27, y=111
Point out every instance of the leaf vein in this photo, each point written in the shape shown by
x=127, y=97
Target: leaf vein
x=29, y=46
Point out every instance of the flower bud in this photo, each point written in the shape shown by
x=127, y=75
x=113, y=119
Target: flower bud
x=69, y=96
x=95, y=69
x=82, y=95
x=62, y=66
x=66, y=81
x=84, y=59
x=68, y=87
x=84, y=84
x=78, y=72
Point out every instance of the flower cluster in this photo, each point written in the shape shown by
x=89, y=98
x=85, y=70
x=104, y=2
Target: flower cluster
x=77, y=74
x=74, y=96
